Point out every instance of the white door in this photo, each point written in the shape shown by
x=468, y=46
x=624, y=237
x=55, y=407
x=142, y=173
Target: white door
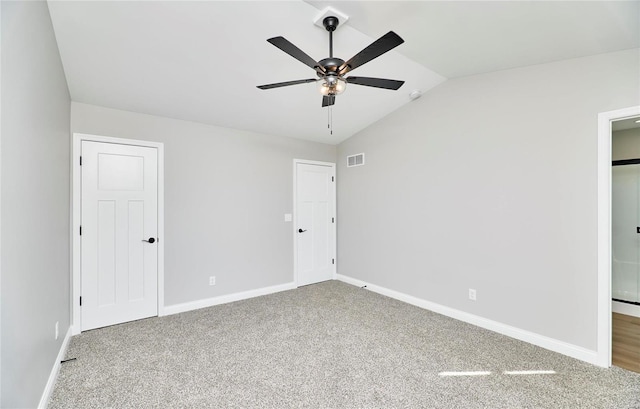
x=625, y=234
x=315, y=222
x=119, y=256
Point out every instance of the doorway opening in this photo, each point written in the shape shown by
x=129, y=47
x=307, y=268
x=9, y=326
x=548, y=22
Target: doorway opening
x=625, y=244
x=604, y=326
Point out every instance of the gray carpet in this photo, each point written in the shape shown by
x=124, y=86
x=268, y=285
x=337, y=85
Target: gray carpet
x=329, y=345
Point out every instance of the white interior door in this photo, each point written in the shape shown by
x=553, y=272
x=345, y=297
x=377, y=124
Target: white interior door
x=315, y=222
x=625, y=236
x=119, y=254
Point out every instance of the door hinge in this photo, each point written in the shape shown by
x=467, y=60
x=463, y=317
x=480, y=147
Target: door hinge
x=333, y=220
x=80, y=160
x=333, y=261
x=81, y=301
x=81, y=230
x=332, y=178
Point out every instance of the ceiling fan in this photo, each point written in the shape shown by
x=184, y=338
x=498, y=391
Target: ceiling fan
x=331, y=70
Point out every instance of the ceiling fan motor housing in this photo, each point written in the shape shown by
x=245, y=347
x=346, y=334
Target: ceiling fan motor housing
x=331, y=65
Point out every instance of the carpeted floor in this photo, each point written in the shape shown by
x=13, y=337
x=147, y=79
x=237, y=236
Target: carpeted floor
x=329, y=345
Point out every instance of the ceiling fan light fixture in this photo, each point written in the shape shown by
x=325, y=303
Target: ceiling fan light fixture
x=331, y=85
x=331, y=70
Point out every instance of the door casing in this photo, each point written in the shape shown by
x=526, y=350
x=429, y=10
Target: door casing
x=294, y=226
x=76, y=198
x=603, y=350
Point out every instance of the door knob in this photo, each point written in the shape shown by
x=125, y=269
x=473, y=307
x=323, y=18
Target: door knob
x=301, y=231
x=151, y=240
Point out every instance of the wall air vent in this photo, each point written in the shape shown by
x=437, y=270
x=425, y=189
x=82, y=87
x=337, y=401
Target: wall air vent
x=355, y=160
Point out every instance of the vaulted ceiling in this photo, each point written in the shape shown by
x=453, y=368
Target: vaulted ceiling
x=201, y=61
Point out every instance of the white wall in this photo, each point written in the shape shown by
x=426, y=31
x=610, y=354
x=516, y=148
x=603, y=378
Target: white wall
x=489, y=182
x=226, y=193
x=35, y=202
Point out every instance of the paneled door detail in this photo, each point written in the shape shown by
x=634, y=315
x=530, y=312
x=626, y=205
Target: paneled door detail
x=315, y=218
x=119, y=254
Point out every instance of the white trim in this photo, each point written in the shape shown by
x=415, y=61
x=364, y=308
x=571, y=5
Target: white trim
x=604, y=230
x=76, y=218
x=294, y=230
x=626, y=309
x=161, y=229
x=224, y=299
x=555, y=345
x=55, y=370
x=0, y=213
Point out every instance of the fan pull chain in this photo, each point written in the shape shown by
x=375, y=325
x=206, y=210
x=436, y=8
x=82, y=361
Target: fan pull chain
x=328, y=117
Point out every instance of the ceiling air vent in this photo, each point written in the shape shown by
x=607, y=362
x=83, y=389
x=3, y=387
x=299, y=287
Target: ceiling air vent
x=355, y=160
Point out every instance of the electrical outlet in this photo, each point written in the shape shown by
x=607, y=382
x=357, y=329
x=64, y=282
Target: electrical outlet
x=57, y=331
x=472, y=294
x=212, y=280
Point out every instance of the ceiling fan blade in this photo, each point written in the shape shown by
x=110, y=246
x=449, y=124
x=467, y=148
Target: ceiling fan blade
x=383, y=44
x=328, y=100
x=285, y=84
x=375, y=82
x=288, y=47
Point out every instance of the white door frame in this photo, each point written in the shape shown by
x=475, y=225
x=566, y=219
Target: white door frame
x=294, y=228
x=603, y=350
x=76, y=197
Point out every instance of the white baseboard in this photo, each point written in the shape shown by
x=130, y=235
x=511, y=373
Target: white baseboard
x=224, y=299
x=551, y=344
x=46, y=394
x=626, y=309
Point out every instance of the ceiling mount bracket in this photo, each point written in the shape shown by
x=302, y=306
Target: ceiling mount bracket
x=330, y=23
x=330, y=12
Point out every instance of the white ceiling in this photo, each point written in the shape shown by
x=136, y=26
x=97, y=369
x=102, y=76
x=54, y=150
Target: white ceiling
x=201, y=61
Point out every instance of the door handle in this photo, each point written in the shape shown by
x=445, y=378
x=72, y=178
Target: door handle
x=151, y=240
x=301, y=231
